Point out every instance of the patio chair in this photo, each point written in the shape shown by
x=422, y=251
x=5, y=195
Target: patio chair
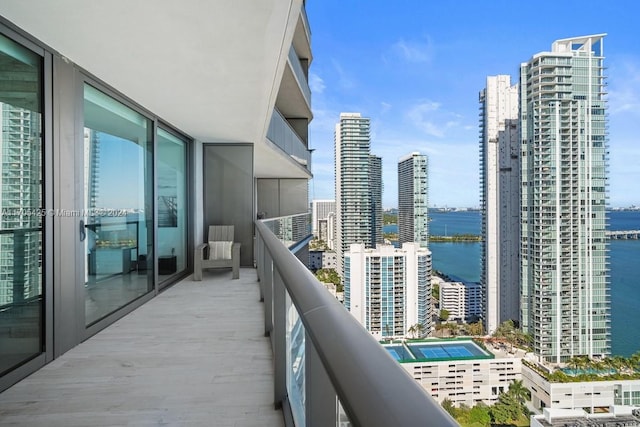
x=220, y=251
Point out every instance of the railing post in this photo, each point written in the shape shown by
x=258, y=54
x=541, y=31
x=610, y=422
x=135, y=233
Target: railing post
x=279, y=339
x=260, y=264
x=267, y=288
x=321, y=400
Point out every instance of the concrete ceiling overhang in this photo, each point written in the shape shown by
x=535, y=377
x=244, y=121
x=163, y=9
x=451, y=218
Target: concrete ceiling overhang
x=210, y=68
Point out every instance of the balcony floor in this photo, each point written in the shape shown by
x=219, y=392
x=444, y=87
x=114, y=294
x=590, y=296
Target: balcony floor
x=195, y=355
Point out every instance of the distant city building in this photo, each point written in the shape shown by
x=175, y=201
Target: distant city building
x=20, y=199
x=375, y=189
x=457, y=370
x=331, y=231
x=322, y=259
x=413, y=199
x=463, y=301
x=588, y=395
x=627, y=416
x=500, y=200
x=565, y=287
x=389, y=290
x=354, y=205
x=329, y=260
x=320, y=211
x=315, y=260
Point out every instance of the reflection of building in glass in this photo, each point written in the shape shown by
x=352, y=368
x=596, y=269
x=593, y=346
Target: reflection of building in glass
x=20, y=202
x=389, y=290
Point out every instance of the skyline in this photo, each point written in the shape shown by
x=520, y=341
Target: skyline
x=418, y=77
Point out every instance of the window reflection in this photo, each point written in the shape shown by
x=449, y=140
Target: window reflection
x=172, y=204
x=21, y=297
x=118, y=205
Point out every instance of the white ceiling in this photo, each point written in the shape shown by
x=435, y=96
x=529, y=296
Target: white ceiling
x=211, y=68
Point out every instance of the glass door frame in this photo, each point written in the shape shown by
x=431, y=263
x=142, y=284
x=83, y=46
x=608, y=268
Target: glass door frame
x=47, y=327
x=189, y=144
x=85, y=331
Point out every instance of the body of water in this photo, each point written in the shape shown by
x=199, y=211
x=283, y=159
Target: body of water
x=461, y=261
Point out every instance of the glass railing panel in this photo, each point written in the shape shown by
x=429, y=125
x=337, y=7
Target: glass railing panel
x=295, y=363
x=283, y=135
x=300, y=74
x=290, y=229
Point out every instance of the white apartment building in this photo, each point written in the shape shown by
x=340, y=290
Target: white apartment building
x=462, y=300
x=413, y=199
x=500, y=200
x=565, y=298
x=387, y=289
x=320, y=211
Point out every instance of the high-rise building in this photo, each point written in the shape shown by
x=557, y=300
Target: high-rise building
x=375, y=190
x=320, y=210
x=20, y=200
x=564, y=252
x=389, y=290
x=353, y=193
x=156, y=156
x=500, y=200
x=413, y=199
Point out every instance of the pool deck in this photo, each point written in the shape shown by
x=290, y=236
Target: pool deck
x=195, y=355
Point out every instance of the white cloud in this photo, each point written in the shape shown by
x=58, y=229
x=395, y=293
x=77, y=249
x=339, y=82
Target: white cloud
x=316, y=83
x=624, y=85
x=344, y=79
x=431, y=119
x=415, y=52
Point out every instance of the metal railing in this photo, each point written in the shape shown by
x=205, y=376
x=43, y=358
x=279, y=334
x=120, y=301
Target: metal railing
x=324, y=360
x=300, y=74
x=283, y=135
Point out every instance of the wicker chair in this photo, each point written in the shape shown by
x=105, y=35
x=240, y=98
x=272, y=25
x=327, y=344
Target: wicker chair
x=220, y=251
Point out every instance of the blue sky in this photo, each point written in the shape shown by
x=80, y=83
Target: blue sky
x=416, y=68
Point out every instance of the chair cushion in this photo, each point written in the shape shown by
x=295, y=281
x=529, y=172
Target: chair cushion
x=220, y=250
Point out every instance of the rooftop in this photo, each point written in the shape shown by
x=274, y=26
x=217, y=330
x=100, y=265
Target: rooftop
x=436, y=350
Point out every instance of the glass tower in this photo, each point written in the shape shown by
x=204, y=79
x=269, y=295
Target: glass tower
x=565, y=287
x=413, y=199
x=353, y=194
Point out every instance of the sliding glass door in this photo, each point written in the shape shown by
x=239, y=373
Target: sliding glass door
x=117, y=234
x=21, y=202
x=172, y=204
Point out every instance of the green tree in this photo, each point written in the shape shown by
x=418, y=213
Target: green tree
x=519, y=392
x=448, y=406
x=479, y=415
x=444, y=315
x=435, y=291
x=476, y=328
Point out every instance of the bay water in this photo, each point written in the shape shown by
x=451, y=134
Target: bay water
x=461, y=261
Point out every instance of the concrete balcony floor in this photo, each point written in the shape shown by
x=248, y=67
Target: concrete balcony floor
x=195, y=355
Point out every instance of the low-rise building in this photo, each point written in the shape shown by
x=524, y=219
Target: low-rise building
x=459, y=370
x=592, y=396
x=616, y=416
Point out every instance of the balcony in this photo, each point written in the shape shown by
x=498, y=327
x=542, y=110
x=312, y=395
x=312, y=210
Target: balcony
x=210, y=353
x=283, y=135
